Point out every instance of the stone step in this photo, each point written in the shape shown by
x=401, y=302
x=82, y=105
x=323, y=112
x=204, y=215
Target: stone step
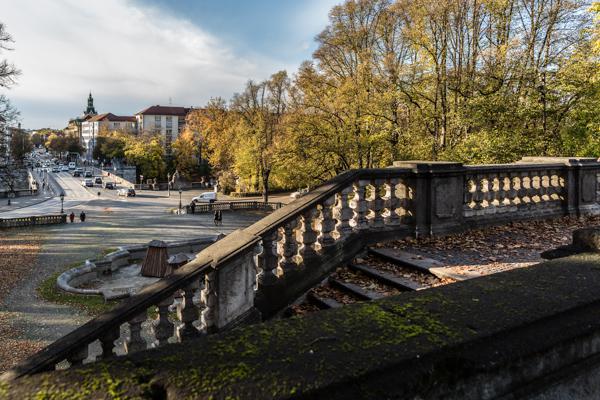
x=355, y=290
x=323, y=302
x=408, y=260
x=397, y=282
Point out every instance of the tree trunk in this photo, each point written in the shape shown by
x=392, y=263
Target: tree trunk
x=265, y=182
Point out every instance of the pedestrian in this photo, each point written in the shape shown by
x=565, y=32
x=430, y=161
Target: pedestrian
x=82, y=216
x=216, y=218
x=72, y=216
x=193, y=207
x=220, y=217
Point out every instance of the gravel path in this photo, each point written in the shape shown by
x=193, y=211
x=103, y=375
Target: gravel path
x=34, y=323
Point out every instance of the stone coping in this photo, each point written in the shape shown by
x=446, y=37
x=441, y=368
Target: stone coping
x=480, y=339
x=125, y=255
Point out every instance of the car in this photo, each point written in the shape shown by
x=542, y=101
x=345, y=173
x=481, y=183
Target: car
x=71, y=165
x=88, y=174
x=126, y=192
x=109, y=185
x=76, y=174
x=87, y=183
x=206, y=197
x=98, y=180
x=80, y=170
x=64, y=168
x=55, y=169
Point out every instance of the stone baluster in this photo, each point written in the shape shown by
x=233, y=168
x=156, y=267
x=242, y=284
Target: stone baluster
x=500, y=195
x=488, y=194
x=513, y=194
x=469, y=194
x=343, y=214
x=525, y=182
x=554, y=189
x=287, y=247
x=107, y=342
x=209, y=299
x=536, y=185
x=478, y=195
x=391, y=203
x=267, y=259
x=162, y=327
x=545, y=189
x=188, y=313
x=326, y=224
x=359, y=206
x=135, y=341
x=307, y=236
x=77, y=357
x=375, y=204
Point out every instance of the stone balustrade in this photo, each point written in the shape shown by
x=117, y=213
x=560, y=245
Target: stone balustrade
x=254, y=273
x=33, y=220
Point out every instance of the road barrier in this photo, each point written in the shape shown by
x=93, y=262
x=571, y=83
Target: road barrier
x=33, y=220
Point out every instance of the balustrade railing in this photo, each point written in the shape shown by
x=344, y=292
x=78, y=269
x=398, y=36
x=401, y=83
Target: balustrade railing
x=253, y=272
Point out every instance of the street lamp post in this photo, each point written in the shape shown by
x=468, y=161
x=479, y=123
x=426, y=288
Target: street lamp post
x=168, y=185
x=62, y=201
x=180, y=200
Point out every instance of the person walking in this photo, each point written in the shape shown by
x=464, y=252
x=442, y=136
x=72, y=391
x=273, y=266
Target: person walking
x=82, y=216
x=216, y=218
x=220, y=217
x=193, y=207
x=72, y=216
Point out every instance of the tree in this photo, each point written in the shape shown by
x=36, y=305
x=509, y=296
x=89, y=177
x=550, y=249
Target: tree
x=8, y=72
x=147, y=153
x=260, y=108
x=188, y=154
x=20, y=145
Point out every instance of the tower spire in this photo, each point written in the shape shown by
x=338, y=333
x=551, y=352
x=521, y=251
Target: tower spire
x=90, y=110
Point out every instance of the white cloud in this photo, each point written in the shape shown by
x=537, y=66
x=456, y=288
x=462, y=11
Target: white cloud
x=128, y=56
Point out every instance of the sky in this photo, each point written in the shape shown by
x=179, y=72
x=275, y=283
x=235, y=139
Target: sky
x=135, y=53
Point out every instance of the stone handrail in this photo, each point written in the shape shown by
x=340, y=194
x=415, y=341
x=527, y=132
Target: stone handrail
x=33, y=220
x=254, y=272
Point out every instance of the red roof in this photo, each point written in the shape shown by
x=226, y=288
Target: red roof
x=111, y=117
x=165, y=110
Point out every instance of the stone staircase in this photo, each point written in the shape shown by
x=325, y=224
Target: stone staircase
x=377, y=273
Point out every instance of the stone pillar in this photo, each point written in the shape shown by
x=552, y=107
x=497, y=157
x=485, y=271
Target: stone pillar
x=232, y=286
x=438, y=195
x=287, y=247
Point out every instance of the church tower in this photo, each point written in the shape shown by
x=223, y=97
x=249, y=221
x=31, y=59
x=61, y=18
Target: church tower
x=90, y=106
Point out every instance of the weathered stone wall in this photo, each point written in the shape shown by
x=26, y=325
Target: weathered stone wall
x=532, y=333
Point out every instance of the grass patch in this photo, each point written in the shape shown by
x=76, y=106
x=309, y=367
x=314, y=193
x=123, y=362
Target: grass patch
x=107, y=251
x=92, y=305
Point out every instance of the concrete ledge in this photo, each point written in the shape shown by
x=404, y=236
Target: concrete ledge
x=530, y=333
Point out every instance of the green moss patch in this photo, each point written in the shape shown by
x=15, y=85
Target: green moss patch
x=92, y=305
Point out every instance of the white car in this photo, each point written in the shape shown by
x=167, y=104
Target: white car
x=71, y=165
x=206, y=197
x=64, y=168
x=87, y=183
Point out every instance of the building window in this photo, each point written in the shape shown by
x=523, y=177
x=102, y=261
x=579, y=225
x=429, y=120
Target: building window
x=117, y=125
x=169, y=121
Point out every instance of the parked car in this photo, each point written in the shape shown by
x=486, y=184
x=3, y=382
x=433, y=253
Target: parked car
x=109, y=185
x=206, y=197
x=55, y=169
x=87, y=183
x=98, y=180
x=126, y=192
x=80, y=170
x=76, y=174
x=64, y=168
x=88, y=174
x=71, y=165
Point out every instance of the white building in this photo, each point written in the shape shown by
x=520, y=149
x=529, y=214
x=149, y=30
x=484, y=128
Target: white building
x=164, y=120
x=91, y=127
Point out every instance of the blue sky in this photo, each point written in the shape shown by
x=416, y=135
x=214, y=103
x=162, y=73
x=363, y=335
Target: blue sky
x=135, y=53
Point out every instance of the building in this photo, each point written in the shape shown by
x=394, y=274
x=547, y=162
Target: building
x=91, y=127
x=167, y=121
x=75, y=125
